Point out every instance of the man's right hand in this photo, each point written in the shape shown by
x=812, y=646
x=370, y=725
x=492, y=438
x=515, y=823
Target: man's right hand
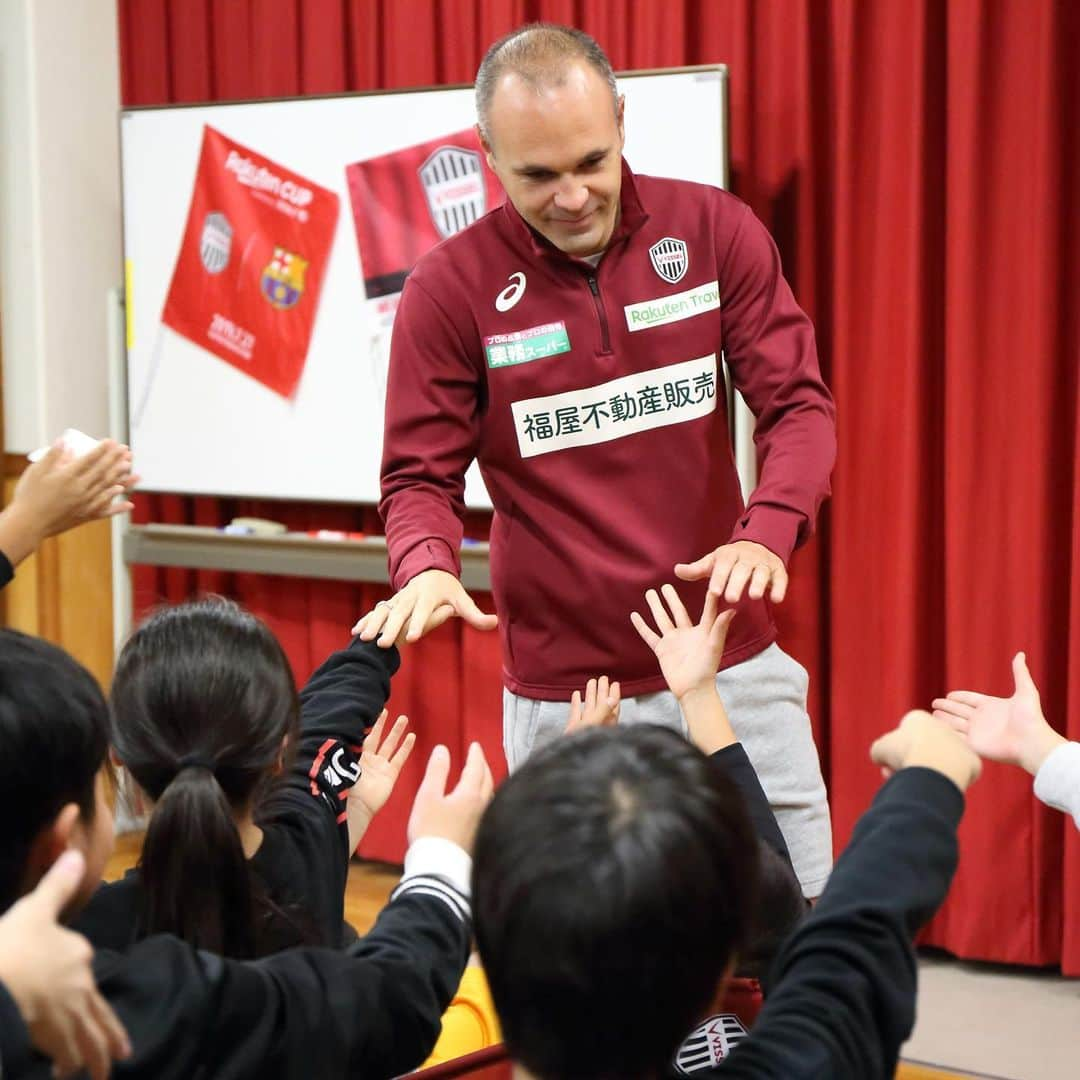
x=426, y=602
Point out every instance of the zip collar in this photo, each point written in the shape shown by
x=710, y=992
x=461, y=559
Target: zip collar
x=632, y=215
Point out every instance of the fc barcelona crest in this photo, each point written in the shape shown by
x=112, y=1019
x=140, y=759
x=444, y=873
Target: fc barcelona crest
x=283, y=279
x=669, y=258
x=453, y=181
x=215, y=244
x=709, y=1044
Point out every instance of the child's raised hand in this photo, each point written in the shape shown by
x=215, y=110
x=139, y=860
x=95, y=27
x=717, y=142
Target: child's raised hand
x=689, y=653
x=454, y=816
x=599, y=709
x=381, y=763
x=1012, y=729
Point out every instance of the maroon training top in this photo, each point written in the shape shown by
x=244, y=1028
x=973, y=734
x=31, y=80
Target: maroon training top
x=593, y=400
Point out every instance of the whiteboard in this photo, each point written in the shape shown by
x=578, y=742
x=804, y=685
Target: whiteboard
x=200, y=426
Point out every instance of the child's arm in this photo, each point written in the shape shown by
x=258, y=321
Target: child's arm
x=689, y=654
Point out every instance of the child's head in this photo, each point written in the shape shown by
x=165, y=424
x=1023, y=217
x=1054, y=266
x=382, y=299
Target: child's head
x=53, y=749
x=203, y=704
x=615, y=876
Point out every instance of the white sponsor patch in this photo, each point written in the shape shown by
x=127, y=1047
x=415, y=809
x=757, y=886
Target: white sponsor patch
x=650, y=399
x=669, y=309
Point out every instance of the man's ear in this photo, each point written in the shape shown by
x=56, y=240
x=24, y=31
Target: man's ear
x=52, y=840
x=489, y=154
x=620, y=117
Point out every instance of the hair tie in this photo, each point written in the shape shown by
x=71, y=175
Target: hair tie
x=194, y=761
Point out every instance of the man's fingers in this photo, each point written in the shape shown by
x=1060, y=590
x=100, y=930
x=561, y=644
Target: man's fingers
x=466, y=607
x=779, y=584
x=759, y=581
x=645, y=631
x=439, y=616
x=419, y=612
x=57, y=888
x=737, y=581
x=721, y=571
x=1022, y=677
x=659, y=612
x=676, y=606
x=695, y=571
x=369, y=626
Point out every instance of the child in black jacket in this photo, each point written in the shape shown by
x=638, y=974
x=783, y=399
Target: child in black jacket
x=259, y=798
x=372, y=1009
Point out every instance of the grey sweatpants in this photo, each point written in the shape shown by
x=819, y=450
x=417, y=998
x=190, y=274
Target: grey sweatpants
x=765, y=698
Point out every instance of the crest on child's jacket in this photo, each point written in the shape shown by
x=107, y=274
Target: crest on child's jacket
x=669, y=258
x=709, y=1044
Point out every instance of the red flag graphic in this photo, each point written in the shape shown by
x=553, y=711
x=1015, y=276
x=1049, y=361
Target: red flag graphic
x=251, y=264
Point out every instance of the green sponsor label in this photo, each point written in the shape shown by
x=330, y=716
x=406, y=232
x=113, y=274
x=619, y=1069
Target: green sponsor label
x=524, y=346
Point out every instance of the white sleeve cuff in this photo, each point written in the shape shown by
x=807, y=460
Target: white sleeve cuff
x=441, y=857
x=1057, y=783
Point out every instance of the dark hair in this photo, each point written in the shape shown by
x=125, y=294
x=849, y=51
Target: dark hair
x=614, y=879
x=53, y=743
x=780, y=908
x=538, y=53
x=202, y=698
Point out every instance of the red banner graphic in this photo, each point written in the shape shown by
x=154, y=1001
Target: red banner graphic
x=251, y=264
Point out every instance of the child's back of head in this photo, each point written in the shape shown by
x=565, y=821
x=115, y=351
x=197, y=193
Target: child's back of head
x=53, y=748
x=615, y=878
x=203, y=703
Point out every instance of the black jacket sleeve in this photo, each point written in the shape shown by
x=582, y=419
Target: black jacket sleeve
x=15, y=1050
x=338, y=704
x=736, y=765
x=371, y=1011
x=7, y=571
x=844, y=999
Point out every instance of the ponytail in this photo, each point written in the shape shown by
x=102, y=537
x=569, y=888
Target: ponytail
x=196, y=882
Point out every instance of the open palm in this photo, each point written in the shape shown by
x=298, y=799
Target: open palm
x=689, y=653
x=995, y=727
x=380, y=763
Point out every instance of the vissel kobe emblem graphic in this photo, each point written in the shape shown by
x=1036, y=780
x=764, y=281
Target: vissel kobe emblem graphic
x=453, y=182
x=710, y=1044
x=669, y=258
x=216, y=242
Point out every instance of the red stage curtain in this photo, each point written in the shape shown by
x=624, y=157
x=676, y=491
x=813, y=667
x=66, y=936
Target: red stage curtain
x=914, y=162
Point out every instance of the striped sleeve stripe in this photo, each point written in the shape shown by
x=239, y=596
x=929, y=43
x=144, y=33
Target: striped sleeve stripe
x=435, y=886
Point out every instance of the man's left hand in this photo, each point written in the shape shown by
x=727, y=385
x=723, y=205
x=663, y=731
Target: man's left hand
x=732, y=567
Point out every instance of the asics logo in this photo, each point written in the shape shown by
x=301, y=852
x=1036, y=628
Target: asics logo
x=512, y=293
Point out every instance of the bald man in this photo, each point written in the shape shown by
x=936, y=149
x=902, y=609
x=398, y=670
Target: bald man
x=570, y=342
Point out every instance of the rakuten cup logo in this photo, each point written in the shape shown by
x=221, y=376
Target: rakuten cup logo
x=262, y=179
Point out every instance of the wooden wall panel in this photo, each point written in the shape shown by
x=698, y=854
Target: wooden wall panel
x=64, y=591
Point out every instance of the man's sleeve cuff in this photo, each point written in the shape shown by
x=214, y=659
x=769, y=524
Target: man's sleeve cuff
x=431, y=553
x=772, y=527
